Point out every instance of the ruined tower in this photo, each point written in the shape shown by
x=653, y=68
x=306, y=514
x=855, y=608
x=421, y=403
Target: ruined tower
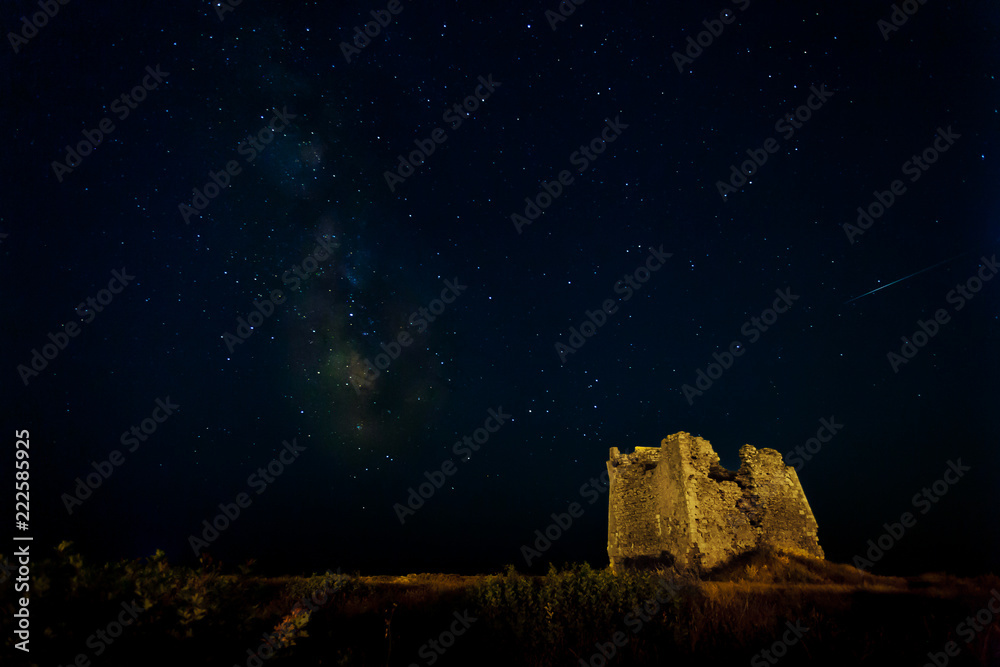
x=674, y=504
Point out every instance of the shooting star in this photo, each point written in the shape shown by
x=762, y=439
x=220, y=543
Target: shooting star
x=905, y=277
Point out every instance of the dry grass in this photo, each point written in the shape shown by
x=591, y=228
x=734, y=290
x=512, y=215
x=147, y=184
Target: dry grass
x=201, y=616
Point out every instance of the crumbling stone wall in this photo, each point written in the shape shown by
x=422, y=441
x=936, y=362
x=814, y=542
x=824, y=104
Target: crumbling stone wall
x=675, y=505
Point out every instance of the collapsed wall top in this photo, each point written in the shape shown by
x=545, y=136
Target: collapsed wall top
x=675, y=505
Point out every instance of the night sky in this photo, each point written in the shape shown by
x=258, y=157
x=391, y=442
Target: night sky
x=542, y=225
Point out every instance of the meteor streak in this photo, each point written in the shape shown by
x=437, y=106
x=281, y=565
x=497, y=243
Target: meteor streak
x=905, y=277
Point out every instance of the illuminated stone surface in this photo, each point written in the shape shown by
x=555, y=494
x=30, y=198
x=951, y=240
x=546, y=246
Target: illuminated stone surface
x=675, y=505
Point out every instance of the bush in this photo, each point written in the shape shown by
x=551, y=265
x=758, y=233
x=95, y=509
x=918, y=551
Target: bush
x=573, y=609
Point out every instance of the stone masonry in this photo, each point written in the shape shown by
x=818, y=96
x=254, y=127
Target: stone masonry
x=674, y=505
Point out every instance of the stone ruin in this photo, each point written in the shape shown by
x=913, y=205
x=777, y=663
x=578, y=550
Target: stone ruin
x=675, y=506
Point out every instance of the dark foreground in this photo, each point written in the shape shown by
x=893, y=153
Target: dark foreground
x=764, y=610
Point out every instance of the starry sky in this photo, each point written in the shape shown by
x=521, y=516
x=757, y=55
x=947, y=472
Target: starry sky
x=553, y=227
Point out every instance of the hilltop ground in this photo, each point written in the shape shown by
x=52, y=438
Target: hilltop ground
x=762, y=609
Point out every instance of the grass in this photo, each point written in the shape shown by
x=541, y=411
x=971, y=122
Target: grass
x=206, y=616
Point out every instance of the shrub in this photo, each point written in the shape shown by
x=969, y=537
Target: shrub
x=569, y=610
